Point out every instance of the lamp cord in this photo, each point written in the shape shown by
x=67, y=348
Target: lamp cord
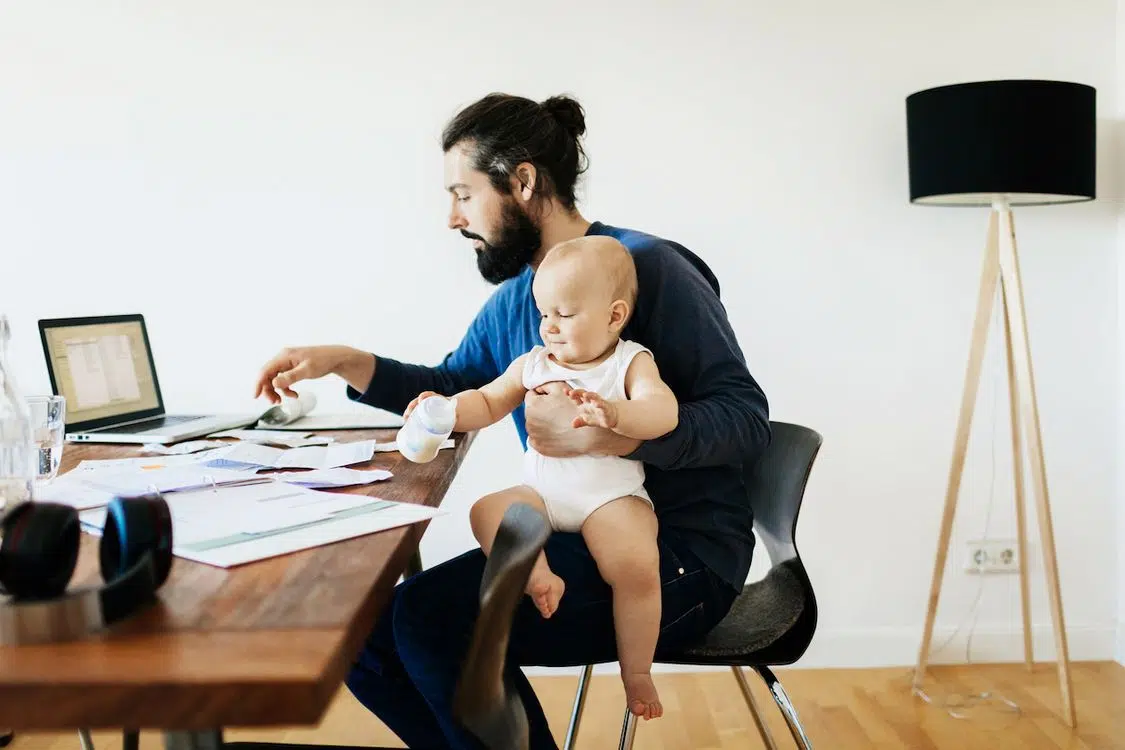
x=954, y=702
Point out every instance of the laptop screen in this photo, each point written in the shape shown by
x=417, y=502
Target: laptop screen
x=104, y=369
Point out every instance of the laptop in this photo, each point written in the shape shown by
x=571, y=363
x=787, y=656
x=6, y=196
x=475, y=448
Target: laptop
x=103, y=366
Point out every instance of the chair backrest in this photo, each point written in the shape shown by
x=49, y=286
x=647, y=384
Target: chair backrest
x=775, y=485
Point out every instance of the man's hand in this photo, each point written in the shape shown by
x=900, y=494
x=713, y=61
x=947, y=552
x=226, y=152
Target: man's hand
x=554, y=386
x=295, y=364
x=551, y=431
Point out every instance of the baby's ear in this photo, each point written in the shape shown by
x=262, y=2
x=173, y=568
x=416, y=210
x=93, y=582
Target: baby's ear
x=618, y=314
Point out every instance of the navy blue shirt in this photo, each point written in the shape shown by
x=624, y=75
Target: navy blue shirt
x=693, y=473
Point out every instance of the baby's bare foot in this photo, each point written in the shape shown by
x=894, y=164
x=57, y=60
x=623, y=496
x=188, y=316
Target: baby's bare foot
x=545, y=589
x=641, y=696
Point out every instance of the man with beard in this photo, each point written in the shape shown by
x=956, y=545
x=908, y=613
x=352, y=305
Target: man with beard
x=511, y=167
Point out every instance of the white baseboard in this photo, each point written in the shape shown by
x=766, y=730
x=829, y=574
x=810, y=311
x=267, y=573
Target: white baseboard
x=898, y=647
x=893, y=647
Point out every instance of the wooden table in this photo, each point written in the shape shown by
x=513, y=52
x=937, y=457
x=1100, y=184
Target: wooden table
x=267, y=643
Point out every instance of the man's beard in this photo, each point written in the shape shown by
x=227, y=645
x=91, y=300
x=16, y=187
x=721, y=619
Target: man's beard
x=515, y=246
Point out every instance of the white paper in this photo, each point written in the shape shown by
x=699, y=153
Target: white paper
x=339, y=477
x=234, y=525
x=246, y=455
x=70, y=489
x=383, y=516
x=144, y=462
x=182, y=449
x=327, y=457
x=276, y=437
x=210, y=514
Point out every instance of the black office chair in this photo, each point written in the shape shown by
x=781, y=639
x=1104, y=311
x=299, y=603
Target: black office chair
x=773, y=620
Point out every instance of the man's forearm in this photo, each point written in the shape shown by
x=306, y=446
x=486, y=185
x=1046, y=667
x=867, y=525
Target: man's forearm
x=356, y=369
x=399, y=382
x=711, y=432
x=609, y=443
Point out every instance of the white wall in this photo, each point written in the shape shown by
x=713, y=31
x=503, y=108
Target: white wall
x=251, y=175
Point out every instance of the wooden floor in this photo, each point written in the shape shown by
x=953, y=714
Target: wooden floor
x=841, y=709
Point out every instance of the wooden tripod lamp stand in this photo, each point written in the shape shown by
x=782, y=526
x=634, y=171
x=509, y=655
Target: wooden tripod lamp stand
x=1001, y=144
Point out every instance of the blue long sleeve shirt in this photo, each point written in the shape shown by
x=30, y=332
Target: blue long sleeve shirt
x=693, y=473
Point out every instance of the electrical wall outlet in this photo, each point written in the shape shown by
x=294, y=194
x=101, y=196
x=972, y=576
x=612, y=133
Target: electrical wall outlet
x=992, y=556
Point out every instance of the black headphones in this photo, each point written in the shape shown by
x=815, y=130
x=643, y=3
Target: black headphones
x=38, y=553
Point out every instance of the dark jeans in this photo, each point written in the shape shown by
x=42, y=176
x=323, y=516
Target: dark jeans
x=409, y=666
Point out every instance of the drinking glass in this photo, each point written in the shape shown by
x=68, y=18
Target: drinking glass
x=48, y=427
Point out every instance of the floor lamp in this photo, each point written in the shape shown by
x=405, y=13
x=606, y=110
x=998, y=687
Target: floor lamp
x=1002, y=144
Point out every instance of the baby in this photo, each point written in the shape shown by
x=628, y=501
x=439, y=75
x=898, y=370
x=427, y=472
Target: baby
x=585, y=290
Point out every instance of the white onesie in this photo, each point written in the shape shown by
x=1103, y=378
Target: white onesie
x=573, y=488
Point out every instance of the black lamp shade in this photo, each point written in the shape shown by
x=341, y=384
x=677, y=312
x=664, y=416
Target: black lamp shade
x=1029, y=142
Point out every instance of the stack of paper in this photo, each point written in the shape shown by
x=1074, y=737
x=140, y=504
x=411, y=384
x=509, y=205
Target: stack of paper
x=234, y=525
x=226, y=511
x=127, y=482
x=76, y=489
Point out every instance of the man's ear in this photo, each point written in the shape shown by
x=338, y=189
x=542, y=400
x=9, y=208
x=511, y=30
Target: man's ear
x=618, y=314
x=523, y=181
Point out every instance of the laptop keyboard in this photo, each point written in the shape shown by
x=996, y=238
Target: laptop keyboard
x=151, y=424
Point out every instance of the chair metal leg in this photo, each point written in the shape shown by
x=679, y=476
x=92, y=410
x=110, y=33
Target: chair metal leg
x=786, y=706
x=85, y=739
x=579, y=704
x=755, y=709
x=628, y=730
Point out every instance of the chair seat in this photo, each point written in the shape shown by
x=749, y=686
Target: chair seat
x=765, y=612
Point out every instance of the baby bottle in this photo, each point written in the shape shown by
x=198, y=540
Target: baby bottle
x=431, y=422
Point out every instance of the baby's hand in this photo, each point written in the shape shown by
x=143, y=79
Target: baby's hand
x=593, y=410
x=421, y=397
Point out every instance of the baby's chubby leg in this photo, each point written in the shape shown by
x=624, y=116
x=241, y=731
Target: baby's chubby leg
x=621, y=536
x=543, y=586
